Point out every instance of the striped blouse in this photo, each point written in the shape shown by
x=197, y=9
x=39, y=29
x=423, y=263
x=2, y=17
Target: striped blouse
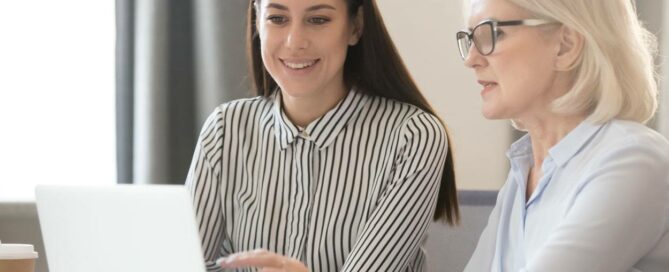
x=353, y=191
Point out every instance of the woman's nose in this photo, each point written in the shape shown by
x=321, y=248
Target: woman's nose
x=473, y=57
x=297, y=37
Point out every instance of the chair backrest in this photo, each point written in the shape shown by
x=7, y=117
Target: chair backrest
x=449, y=248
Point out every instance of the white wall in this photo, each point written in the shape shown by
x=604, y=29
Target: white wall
x=424, y=32
x=56, y=95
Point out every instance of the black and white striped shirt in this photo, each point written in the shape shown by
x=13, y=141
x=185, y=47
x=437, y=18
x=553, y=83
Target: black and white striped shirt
x=353, y=191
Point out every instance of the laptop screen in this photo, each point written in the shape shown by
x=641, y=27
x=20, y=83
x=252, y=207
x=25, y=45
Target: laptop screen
x=129, y=228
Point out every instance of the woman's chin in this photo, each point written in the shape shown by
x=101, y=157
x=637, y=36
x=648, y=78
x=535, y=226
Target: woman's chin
x=490, y=114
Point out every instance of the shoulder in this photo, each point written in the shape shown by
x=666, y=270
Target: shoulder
x=244, y=104
x=235, y=111
x=405, y=113
x=632, y=149
x=633, y=136
x=424, y=124
x=414, y=123
x=240, y=106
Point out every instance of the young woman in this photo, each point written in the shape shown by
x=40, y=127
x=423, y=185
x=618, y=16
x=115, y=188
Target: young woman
x=338, y=165
x=588, y=188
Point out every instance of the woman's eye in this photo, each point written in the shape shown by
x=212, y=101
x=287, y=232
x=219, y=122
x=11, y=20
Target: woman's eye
x=276, y=19
x=318, y=20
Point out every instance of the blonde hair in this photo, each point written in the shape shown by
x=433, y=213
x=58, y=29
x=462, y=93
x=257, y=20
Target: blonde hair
x=615, y=76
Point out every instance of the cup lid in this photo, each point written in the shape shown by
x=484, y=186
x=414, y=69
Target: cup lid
x=17, y=251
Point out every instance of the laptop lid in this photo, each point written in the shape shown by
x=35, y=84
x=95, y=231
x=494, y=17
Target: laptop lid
x=130, y=228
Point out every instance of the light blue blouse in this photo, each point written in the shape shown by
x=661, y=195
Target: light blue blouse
x=601, y=205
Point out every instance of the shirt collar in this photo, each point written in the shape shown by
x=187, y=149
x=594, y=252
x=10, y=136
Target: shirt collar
x=573, y=142
x=520, y=148
x=564, y=150
x=323, y=130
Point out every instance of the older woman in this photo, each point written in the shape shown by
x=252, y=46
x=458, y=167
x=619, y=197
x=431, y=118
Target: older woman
x=588, y=188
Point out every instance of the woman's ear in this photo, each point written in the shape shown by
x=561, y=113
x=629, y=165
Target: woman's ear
x=570, y=49
x=358, y=26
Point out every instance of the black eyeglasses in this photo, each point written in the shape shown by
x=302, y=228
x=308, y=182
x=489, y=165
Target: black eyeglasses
x=484, y=35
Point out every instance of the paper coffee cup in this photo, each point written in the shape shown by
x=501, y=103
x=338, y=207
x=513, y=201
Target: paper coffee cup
x=17, y=258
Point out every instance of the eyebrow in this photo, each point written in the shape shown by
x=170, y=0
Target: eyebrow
x=312, y=8
x=322, y=6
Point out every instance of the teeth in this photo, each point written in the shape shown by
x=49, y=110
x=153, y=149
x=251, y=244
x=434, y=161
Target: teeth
x=299, y=65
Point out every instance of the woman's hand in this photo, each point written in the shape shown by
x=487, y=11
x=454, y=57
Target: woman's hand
x=264, y=260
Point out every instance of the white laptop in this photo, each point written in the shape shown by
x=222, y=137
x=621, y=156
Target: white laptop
x=129, y=228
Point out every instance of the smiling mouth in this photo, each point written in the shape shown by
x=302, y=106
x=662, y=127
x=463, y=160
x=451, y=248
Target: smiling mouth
x=299, y=65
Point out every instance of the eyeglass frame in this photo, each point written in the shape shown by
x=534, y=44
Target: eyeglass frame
x=494, y=24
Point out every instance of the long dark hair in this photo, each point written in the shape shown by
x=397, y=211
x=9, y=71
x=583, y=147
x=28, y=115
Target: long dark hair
x=374, y=67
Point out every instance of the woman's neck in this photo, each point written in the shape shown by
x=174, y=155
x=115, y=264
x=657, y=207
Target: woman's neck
x=546, y=131
x=302, y=110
